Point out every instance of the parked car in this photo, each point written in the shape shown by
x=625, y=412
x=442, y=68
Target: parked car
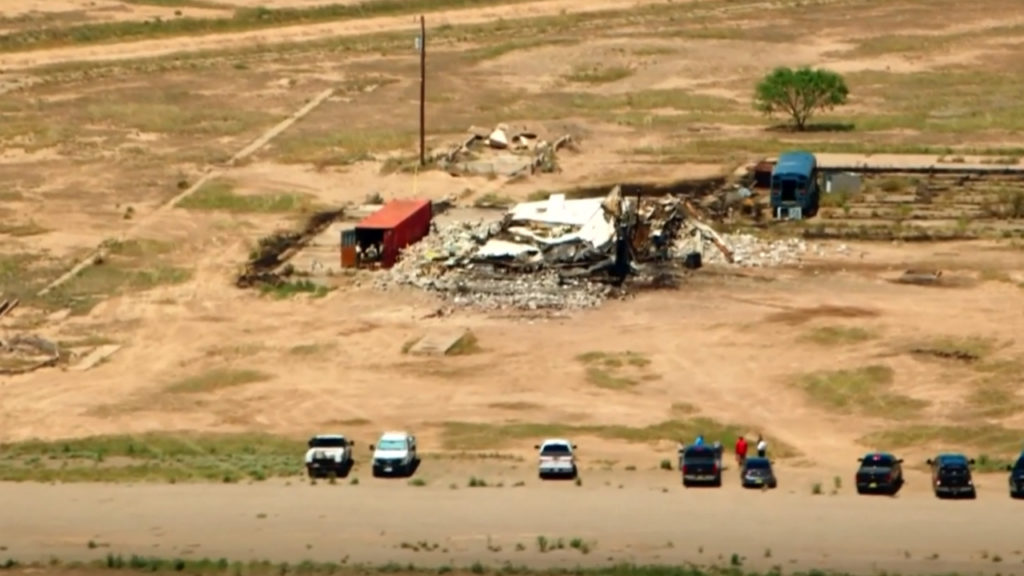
x=329, y=454
x=757, y=472
x=701, y=464
x=557, y=459
x=879, y=472
x=394, y=453
x=1017, y=477
x=951, y=475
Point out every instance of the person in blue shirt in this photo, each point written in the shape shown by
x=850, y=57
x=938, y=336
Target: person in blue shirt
x=700, y=440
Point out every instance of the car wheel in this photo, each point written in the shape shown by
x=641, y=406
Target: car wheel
x=718, y=482
x=773, y=484
x=973, y=494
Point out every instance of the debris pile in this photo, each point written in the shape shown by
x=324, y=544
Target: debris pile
x=748, y=251
x=558, y=253
x=23, y=354
x=504, y=152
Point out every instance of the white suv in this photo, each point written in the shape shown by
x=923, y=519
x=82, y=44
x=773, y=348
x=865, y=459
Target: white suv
x=329, y=454
x=395, y=453
x=557, y=458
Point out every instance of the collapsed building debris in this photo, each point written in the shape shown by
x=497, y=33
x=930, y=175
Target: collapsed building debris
x=562, y=253
x=504, y=152
x=8, y=306
x=268, y=262
x=24, y=354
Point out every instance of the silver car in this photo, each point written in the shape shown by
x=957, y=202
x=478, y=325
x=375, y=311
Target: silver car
x=557, y=459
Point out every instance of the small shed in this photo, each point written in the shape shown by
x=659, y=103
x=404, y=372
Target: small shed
x=382, y=235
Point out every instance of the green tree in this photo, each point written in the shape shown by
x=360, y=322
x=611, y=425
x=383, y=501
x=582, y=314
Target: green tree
x=800, y=93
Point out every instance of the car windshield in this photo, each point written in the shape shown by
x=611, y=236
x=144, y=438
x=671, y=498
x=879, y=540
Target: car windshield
x=331, y=442
x=1019, y=466
x=391, y=445
x=953, y=469
x=758, y=465
x=555, y=450
x=878, y=461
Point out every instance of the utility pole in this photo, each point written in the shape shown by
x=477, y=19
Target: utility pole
x=423, y=91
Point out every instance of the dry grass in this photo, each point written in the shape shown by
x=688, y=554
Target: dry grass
x=961, y=348
x=130, y=266
x=219, y=195
x=838, y=335
x=798, y=316
x=866, y=391
x=473, y=436
x=170, y=456
x=217, y=379
x=615, y=370
x=598, y=74
x=990, y=437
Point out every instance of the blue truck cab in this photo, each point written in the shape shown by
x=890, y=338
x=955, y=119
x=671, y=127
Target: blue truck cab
x=795, y=192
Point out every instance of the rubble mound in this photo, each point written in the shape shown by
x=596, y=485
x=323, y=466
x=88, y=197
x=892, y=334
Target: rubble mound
x=748, y=251
x=442, y=263
x=572, y=254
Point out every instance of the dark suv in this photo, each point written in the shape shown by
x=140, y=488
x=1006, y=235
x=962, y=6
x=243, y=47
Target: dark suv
x=701, y=465
x=951, y=475
x=879, y=472
x=1017, y=478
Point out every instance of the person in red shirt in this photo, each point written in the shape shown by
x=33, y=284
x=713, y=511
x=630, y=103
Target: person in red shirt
x=741, y=450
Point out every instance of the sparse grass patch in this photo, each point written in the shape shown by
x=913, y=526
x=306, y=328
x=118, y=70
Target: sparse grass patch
x=965, y=349
x=256, y=18
x=683, y=409
x=837, y=335
x=339, y=147
x=310, y=349
x=993, y=438
x=219, y=195
x=479, y=436
x=217, y=379
x=130, y=266
x=598, y=74
x=293, y=288
x=173, y=457
x=615, y=370
x=865, y=390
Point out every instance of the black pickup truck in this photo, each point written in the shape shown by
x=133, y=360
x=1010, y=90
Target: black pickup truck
x=701, y=464
x=879, y=472
x=951, y=475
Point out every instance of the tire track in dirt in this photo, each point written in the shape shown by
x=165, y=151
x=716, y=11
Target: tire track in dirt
x=308, y=33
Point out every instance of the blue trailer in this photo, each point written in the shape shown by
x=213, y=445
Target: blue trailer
x=794, y=186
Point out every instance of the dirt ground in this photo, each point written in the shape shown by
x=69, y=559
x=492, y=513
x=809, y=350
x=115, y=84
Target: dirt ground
x=641, y=522
x=98, y=137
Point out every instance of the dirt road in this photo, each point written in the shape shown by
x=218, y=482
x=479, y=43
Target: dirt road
x=380, y=521
x=304, y=33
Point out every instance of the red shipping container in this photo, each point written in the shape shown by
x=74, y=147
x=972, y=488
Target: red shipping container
x=398, y=224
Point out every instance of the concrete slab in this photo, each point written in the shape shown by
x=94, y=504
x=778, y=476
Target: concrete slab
x=98, y=355
x=438, y=342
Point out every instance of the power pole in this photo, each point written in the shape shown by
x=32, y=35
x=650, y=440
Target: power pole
x=423, y=91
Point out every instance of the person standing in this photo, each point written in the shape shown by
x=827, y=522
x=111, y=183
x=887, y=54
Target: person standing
x=741, y=450
x=762, y=446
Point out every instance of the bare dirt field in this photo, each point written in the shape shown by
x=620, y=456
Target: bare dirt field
x=556, y=525
x=124, y=132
